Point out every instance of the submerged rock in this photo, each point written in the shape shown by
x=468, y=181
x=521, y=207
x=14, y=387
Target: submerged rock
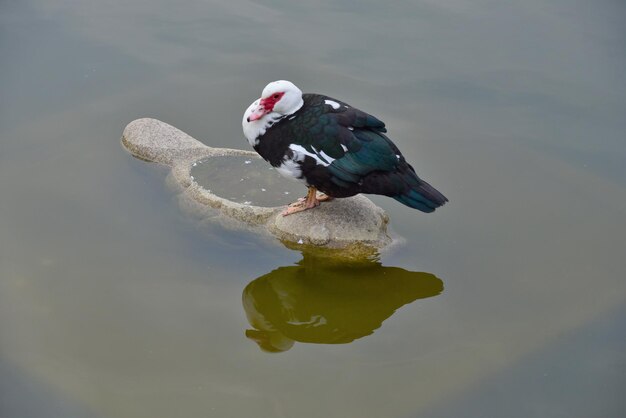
x=355, y=224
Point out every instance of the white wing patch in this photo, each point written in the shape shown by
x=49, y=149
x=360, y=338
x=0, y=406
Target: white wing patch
x=290, y=169
x=319, y=156
x=333, y=104
x=325, y=156
x=345, y=149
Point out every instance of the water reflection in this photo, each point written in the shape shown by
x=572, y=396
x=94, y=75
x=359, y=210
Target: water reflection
x=326, y=301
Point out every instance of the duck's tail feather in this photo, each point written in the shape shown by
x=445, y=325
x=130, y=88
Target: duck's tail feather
x=421, y=196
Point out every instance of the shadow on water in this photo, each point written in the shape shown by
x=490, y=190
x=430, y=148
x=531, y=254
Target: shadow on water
x=327, y=301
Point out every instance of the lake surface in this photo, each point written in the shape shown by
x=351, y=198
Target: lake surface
x=510, y=301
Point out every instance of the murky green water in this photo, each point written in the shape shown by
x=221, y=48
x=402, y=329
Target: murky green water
x=508, y=302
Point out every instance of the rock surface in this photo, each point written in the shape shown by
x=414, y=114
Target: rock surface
x=354, y=224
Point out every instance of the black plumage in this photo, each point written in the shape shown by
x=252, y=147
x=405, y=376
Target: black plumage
x=343, y=151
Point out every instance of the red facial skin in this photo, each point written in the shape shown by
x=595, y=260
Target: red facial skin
x=269, y=102
x=265, y=106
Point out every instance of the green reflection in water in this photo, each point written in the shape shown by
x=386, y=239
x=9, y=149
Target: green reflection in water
x=326, y=301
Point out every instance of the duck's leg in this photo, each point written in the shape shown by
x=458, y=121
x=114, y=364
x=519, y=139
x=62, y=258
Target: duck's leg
x=309, y=202
x=323, y=197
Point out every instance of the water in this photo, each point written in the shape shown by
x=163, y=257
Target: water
x=245, y=180
x=114, y=303
x=328, y=301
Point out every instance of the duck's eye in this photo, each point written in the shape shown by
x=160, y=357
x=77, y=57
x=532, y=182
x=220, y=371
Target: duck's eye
x=276, y=96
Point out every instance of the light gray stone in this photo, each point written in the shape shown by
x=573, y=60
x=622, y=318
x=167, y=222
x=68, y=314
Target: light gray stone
x=355, y=225
x=336, y=224
x=319, y=235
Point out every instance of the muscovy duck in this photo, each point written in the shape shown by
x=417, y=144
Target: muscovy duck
x=331, y=147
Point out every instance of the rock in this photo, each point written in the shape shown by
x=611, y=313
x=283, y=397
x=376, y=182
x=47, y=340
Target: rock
x=153, y=140
x=319, y=235
x=355, y=224
x=335, y=224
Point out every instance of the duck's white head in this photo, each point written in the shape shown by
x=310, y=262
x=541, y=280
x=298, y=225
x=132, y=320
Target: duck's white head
x=278, y=99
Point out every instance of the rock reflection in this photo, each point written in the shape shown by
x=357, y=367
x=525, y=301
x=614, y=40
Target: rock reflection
x=326, y=301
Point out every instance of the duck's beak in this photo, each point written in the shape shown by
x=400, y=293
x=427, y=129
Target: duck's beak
x=257, y=113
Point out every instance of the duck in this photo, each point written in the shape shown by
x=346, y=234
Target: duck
x=331, y=148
